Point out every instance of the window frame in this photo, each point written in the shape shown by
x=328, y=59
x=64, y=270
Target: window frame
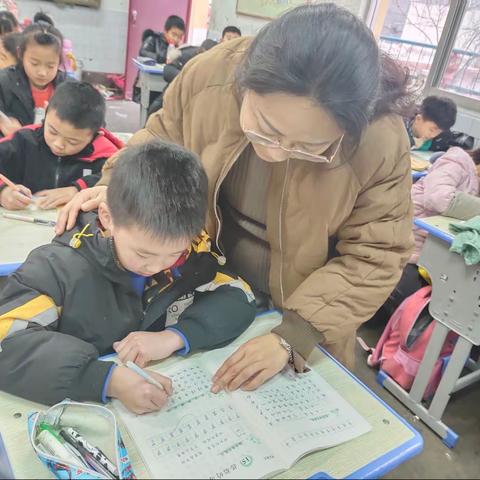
x=453, y=22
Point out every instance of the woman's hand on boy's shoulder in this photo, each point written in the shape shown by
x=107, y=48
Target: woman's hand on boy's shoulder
x=47, y=199
x=85, y=201
x=138, y=395
x=144, y=347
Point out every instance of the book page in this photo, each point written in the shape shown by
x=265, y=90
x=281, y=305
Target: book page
x=240, y=434
x=198, y=434
x=300, y=414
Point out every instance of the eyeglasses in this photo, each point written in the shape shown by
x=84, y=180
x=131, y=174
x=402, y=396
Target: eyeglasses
x=255, y=137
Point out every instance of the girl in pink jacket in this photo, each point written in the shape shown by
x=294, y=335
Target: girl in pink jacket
x=455, y=171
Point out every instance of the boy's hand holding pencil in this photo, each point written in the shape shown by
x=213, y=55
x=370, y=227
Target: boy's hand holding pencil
x=14, y=197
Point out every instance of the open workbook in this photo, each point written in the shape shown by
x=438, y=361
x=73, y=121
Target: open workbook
x=240, y=434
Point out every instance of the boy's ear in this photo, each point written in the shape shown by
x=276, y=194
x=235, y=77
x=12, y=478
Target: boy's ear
x=105, y=217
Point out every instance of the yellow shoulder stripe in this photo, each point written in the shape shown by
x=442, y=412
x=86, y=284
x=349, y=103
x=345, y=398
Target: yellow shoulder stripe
x=38, y=309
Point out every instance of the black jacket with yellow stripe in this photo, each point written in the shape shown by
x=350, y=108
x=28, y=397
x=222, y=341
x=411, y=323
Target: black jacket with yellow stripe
x=66, y=306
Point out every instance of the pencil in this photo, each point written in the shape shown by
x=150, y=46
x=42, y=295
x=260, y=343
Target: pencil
x=24, y=218
x=7, y=181
x=143, y=374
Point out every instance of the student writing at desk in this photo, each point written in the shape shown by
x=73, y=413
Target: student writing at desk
x=312, y=182
x=64, y=155
x=138, y=279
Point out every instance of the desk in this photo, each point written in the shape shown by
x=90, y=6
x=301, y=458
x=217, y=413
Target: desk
x=390, y=442
x=150, y=80
x=18, y=239
x=455, y=307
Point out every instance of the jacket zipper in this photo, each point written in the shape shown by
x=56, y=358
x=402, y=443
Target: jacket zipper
x=280, y=231
x=57, y=172
x=215, y=198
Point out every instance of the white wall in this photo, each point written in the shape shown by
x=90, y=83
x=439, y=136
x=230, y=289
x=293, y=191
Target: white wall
x=224, y=13
x=99, y=36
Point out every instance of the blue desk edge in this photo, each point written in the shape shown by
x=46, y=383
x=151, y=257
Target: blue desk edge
x=436, y=232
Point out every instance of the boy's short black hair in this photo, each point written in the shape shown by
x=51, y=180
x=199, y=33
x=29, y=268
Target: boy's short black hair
x=440, y=110
x=11, y=42
x=174, y=21
x=43, y=18
x=231, y=29
x=161, y=188
x=79, y=104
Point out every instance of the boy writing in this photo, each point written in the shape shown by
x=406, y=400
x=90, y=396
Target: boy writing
x=137, y=278
x=65, y=154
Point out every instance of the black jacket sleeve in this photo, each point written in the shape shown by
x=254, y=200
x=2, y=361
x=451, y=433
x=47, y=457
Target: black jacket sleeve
x=92, y=179
x=12, y=158
x=216, y=318
x=155, y=47
x=37, y=361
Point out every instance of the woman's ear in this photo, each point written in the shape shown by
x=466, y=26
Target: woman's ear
x=105, y=217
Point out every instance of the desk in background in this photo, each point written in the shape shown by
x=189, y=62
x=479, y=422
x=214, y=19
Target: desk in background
x=150, y=80
x=18, y=239
x=455, y=306
x=419, y=163
x=390, y=442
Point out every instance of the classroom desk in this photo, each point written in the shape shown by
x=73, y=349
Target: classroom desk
x=390, y=442
x=455, y=306
x=18, y=239
x=150, y=80
x=419, y=164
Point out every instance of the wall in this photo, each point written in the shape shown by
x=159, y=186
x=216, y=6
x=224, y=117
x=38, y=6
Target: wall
x=224, y=13
x=99, y=36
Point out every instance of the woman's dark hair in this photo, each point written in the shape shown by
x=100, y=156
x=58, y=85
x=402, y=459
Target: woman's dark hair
x=44, y=35
x=325, y=52
x=43, y=19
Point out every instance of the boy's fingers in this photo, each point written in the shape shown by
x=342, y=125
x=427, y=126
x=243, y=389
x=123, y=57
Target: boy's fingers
x=164, y=381
x=21, y=198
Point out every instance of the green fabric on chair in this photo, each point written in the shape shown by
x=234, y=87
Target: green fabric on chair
x=467, y=240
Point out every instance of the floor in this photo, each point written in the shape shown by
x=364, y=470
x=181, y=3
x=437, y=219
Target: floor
x=436, y=461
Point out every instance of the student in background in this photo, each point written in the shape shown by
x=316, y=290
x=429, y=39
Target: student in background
x=137, y=278
x=8, y=49
x=155, y=44
x=455, y=172
x=435, y=115
x=230, y=32
x=64, y=155
x=26, y=89
x=69, y=62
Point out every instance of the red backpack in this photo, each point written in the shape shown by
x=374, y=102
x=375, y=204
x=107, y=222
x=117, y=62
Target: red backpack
x=402, y=345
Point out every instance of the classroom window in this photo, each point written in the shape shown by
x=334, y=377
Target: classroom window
x=462, y=72
x=411, y=33
x=439, y=42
